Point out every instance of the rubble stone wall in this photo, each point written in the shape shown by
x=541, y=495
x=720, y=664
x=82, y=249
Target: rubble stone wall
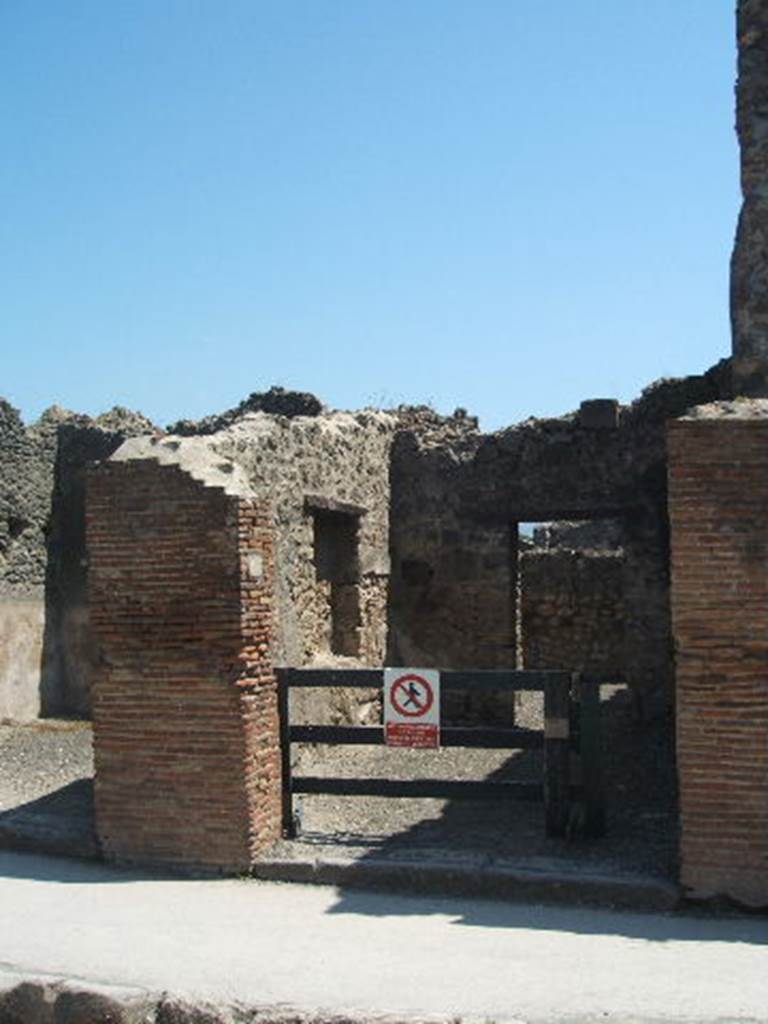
x=458, y=495
x=572, y=610
x=453, y=596
x=186, y=741
x=309, y=462
x=442, y=497
x=333, y=464
x=45, y=648
x=65, y=685
x=590, y=534
x=718, y=498
x=326, y=477
x=749, y=265
x=27, y=457
x=26, y=481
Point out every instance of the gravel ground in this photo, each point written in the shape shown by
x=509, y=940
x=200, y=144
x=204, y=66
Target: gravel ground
x=42, y=757
x=46, y=788
x=640, y=791
x=53, y=760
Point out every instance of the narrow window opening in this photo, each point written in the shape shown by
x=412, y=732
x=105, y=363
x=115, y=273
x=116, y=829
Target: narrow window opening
x=336, y=540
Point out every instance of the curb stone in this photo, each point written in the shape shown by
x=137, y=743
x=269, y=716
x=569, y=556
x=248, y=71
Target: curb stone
x=449, y=879
x=49, y=999
x=42, y=999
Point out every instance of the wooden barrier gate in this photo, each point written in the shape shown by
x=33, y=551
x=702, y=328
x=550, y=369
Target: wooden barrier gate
x=572, y=785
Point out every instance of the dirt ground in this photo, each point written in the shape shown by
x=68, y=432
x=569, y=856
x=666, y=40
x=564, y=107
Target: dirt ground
x=42, y=757
x=640, y=793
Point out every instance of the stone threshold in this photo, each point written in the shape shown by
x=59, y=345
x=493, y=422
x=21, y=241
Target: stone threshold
x=474, y=876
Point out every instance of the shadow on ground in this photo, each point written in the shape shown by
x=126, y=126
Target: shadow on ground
x=691, y=925
x=468, y=853
x=485, y=848
x=61, y=822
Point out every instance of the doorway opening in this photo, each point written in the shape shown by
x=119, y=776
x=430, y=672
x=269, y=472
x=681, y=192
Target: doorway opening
x=570, y=595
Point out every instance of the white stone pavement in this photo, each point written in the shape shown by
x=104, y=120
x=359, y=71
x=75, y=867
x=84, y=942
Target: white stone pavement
x=323, y=949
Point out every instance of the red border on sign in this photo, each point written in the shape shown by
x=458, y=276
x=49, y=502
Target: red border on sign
x=400, y=683
x=413, y=734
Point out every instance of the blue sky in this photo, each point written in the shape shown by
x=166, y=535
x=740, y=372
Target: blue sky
x=506, y=205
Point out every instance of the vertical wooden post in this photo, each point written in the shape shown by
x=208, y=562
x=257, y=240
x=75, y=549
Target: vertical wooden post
x=283, y=691
x=590, y=750
x=515, y=607
x=557, y=753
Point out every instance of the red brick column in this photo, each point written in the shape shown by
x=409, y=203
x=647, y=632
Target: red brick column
x=718, y=507
x=186, y=738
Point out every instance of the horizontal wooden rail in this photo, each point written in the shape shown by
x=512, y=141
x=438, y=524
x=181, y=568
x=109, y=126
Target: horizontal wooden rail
x=364, y=678
x=571, y=729
x=435, y=788
x=450, y=736
x=372, y=678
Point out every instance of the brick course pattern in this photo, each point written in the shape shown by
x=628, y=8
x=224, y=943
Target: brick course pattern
x=185, y=706
x=718, y=496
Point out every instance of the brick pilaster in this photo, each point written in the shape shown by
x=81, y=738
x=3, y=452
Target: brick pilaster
x=185, y=715
x=718, y=506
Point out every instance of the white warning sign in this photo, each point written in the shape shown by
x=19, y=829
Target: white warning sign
x=412, y=707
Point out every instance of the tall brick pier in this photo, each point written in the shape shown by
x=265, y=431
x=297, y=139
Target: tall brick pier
x=184, y=699
x=718, y=502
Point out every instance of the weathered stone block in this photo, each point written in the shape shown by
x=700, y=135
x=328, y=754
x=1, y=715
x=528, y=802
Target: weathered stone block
x=599, y=414
x=26, y=1003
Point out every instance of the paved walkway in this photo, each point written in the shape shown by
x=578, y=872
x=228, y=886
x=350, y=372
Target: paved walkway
x=321, y=948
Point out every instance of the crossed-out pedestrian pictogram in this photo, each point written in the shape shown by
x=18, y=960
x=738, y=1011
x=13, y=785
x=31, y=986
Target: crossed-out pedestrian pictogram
x=411, y=696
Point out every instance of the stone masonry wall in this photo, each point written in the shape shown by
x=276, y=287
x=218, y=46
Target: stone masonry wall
x=65, y=686
x=45, y=655
x=292, y=449
x=572, y=610
x=749, y=266
x=185, y=712
x=458, y=495
x=453, y=589
x=444, y=498
x=311, y=467
x=307, y=465
x=327, y=466
x=718, y=479
x=27, y=457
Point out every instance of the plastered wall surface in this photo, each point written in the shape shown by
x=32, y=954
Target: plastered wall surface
x=22, y=624
x=27, y=457
x=45, y=659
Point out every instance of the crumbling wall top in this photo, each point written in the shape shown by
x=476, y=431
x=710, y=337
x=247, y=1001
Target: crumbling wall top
x=276, y=401
x=196, y=456
x=738, y=409
x=28, y=457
